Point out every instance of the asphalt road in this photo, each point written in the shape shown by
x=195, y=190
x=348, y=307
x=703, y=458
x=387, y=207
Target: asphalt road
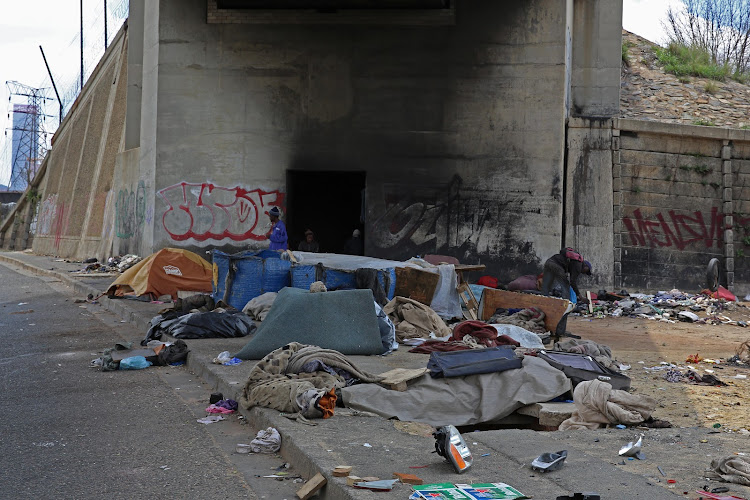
x=68, y=430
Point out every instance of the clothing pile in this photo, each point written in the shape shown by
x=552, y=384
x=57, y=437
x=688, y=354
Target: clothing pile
x=299, y=378
x=598, y=405
x=414, y=319
x=186, y=322
x=531, y=319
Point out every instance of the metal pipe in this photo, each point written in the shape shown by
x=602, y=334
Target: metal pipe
x=53, y=83
x=105, y=24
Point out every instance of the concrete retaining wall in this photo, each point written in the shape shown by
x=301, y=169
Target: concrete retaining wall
x=77, y=193
x=680, y=199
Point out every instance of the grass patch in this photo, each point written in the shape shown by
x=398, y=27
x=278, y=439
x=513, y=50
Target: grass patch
x=746, y=240
x=704, y=123
x=702, y=169
x=741, y=78
x=745, y=127
x=695, y=155
x=625, y=54
x=682, y=60
x=711, y=87
x=683, y=79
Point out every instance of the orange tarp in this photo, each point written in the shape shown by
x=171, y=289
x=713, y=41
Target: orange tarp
x=164, y=273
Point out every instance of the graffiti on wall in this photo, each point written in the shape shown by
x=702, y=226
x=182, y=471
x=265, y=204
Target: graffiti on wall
x=53, y=218
x=206, y=211
x=130, y=211
x=673, y=230
x=442, y=221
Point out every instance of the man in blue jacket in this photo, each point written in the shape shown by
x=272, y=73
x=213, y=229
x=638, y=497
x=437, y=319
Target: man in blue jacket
x=278, y=230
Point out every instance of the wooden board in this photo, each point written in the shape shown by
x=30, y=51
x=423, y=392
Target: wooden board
x=552, y=307
x=397, y=378
x=416, y=284
x=311, y=487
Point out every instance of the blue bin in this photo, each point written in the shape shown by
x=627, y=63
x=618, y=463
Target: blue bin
x=251, y=274
x=305, y=275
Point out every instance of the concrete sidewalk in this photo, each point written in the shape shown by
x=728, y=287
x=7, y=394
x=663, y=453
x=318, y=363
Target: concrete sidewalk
x=374, y=446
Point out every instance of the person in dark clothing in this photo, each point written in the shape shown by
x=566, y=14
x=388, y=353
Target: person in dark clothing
x=309, y=244
x=355, y=245
x=556, y=271
x=559, y=267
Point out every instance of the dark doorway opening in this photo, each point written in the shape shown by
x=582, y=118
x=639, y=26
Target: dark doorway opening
x=331, y=204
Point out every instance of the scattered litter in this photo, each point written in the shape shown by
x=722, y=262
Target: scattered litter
x=408, y=478
x=134, y=363
x=164, y=467
x=341, y=470
x=740, y=376
x=243, y=448
x=266, y=441
x=211, y=419
x=311, y=487
x=222, y=358
x=367, y=445
x=224, y=406
x=434, y=491
x=381, y=485
x=661, y=471
x=633, y=449
x=547, y=462
x=22, y=303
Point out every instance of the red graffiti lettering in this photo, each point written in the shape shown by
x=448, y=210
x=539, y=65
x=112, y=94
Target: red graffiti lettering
x=675, y=230
x=205, y=211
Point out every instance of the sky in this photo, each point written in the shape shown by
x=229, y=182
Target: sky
x=54, y=24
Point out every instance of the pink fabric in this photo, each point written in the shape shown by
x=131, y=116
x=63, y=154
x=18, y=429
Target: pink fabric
x=218, y=409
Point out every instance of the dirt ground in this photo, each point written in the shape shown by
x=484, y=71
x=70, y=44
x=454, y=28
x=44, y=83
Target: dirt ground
x=643, y=343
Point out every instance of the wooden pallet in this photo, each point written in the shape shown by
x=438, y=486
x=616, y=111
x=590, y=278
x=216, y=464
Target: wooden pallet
x=468, y=299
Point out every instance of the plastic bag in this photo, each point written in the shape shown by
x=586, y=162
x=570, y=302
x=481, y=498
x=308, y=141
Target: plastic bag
x=134, y=363
x=222, y=358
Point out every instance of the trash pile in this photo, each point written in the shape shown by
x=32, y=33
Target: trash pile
x=114, y=264
x=124, y=357
x=667, y=306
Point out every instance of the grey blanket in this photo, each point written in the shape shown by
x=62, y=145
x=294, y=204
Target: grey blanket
x=466, y=400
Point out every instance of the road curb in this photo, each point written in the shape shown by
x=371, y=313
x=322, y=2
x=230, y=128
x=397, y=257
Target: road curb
x=259, y=418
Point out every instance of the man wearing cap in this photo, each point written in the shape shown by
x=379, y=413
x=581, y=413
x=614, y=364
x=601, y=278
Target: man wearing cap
x=309, y=244
x=354, y=245
x=556, y=271
x=278, y=230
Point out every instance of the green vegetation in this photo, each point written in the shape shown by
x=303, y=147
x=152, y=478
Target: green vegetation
x=711, y=88
x=625, y=54
x=705, y=123
x=683, y=79
x=695, y=155
x=702, y=169
x=740, y=253
x=746, y=240
x=715, y=185
x=745, y=127
x=681, y=60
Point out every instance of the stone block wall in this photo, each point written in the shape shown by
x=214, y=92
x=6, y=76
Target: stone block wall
x=679, y=201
